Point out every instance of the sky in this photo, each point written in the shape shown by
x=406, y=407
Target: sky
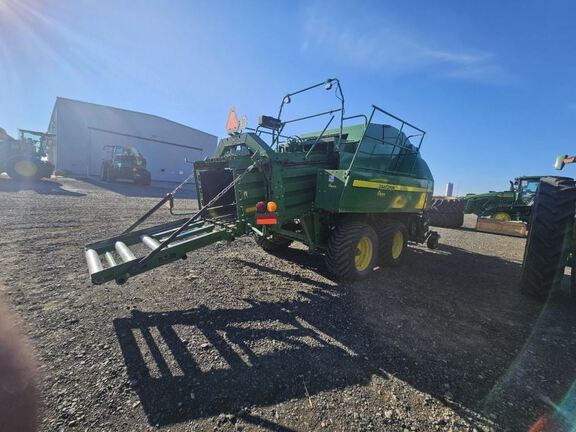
x=493, y=83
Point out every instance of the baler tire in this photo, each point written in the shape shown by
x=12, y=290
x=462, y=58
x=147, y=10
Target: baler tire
x=549, y=236
x=343, y=246
x=387, y=235
x=272, y=244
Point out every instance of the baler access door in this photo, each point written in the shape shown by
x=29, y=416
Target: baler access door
x=135, y=252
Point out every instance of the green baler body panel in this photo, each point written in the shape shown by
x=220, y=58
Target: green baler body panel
x=361, y=192
x=356, y=175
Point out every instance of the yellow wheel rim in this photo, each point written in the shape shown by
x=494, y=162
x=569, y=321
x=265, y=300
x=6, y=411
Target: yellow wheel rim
x=26, y=168
x=364, y=253
x=397, y=244
x=501, y=216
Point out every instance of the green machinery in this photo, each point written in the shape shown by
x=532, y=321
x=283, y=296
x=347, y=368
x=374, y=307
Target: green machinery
x=514, y=204
x=354, y=193
x=124, y=163
x=551, y=243
x=25, y=158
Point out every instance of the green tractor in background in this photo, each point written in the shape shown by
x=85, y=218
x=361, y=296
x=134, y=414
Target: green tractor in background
x=514, y=204
x=352, y=193
x=25, y=158
x=551, y=243
x=124, y=163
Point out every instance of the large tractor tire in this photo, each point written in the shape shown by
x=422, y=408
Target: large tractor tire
x=352, y=250
x=549, y=237
x=446, y=213
x=24, y=169
x=46, y=169
x=272, y=244
x=393, y=241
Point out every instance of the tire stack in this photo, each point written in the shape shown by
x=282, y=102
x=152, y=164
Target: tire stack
x=445, y=213
x=550, y=237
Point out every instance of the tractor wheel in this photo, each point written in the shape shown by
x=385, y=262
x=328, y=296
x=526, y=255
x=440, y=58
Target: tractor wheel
x=393, y=242
x=23, y=169
x=549, y=236
x=272, y=244
x=502, y=216
x=45, y=170
x=352, y=250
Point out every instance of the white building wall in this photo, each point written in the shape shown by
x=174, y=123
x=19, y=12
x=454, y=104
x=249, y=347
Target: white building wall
x=83, y=129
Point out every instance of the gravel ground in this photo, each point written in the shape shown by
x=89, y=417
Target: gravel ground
x=237, y=339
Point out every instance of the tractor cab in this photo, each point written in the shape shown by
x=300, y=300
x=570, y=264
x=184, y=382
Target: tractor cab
x=525, y=188
x=34, y=143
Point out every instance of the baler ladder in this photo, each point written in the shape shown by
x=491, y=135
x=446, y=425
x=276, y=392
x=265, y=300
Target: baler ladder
x=162, y=244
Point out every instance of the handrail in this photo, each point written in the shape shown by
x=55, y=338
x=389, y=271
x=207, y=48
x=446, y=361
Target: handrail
x=311, y=116
x=398, y=136
x=319, y=137
x=397, y=118
x=356, y=116
x=286, y=99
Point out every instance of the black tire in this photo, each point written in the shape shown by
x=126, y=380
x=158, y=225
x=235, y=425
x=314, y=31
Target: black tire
x=446, y=213
x=46, y=170
x=273, y=243
x=549, y=237
x=24, y=169
x=433, y=241
x=343, y=247
x=386, y=235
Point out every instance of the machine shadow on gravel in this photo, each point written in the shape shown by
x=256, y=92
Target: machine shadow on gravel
x=43, y=187
x=454, y=326
x=263, y=354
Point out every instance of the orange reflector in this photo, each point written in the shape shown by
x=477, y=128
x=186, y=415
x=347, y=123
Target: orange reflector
x=232, y=124
x=271, y=206
x=266, y=219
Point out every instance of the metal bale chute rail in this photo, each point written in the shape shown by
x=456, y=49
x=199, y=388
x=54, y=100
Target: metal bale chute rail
x=355, y=193
x=166, y=243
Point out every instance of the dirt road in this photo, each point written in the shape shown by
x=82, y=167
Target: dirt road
x=237, y=339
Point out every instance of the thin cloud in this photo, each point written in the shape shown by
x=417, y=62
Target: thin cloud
x=393, y=50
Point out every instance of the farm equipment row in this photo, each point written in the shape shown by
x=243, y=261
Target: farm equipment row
x=357, y=194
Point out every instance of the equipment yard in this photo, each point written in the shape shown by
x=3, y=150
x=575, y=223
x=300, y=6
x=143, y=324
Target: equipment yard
x=235, y=338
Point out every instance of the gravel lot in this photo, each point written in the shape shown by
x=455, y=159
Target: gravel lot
x=237, y=339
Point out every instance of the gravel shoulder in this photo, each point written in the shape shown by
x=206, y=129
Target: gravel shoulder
x=238, y=339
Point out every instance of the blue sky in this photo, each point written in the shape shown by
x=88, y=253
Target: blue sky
x=493, y=83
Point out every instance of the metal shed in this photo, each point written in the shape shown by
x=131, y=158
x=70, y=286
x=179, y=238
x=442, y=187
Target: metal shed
x=82, y=129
